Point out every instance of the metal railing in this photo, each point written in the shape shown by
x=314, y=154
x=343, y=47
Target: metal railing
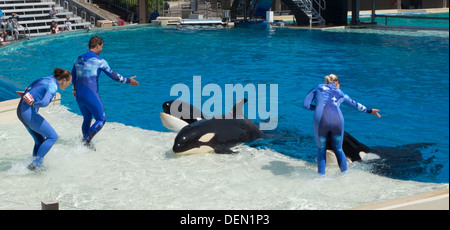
x=127, y=5
x=409, y=17
x=29, y=32
x=74, y=9
x=322, y=4
x=311, y=11
x=83, y=15
x=92, y=20
x=184, y=9
x=66, y=6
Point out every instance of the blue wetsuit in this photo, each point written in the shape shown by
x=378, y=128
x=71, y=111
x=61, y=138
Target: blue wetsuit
x=85, y=73
x=43, y=90
x=328, y=120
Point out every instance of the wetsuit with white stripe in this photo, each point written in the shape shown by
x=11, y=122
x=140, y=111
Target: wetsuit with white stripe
x=328, y=120
x=85, y=73
x=42, y=90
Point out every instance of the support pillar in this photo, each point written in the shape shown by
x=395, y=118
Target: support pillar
x=336, y=13
x=373, y=11
x=143, y=11
x=276, y=5
x=355, y=13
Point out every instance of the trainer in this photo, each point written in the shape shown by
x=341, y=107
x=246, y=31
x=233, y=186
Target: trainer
x=85, y=73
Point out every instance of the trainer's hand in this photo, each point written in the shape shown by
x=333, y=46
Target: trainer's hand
x=20, y=93
x=133, y=82
x=29, y=100
x=375, y=112
x=74, y=93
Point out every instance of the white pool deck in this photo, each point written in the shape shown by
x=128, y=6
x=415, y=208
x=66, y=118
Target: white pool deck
x=435, y=200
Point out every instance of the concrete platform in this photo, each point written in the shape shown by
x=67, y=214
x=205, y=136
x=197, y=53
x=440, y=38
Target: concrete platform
x=8, y=109
x=436, y=200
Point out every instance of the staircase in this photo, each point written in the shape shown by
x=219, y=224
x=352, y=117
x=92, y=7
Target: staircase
x=313, y=9
x=34, y=18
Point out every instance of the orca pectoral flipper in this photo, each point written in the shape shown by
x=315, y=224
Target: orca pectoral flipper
x=224, y=149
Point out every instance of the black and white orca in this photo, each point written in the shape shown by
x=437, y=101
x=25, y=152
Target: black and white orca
x=217, y=134
x=177, y=122
x=353, y=149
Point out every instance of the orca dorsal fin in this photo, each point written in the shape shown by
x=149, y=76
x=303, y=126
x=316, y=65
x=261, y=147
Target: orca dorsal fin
x=237, y=111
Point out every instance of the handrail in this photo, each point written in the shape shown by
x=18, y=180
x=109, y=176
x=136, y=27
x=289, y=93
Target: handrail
x=92, y=20
x=309, y=6
x=184, y=8
x=29, y=32
x=410, y=17
x=128, y=5
x=320, y=4
x=413, y=17
x=66, y=6
x=83, y=15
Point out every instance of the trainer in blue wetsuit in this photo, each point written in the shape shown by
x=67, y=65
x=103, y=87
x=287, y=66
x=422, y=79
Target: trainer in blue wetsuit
x=328, y=120
x=85, y=72
x=42, y=92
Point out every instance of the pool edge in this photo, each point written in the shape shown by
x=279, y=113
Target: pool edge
x=8, y=109
x=435, y=200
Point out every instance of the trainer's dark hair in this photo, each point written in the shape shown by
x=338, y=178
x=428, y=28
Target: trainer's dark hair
x=62, y=74
x=96, y=40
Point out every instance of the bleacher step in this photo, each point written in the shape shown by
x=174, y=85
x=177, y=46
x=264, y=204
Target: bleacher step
x=34, y=18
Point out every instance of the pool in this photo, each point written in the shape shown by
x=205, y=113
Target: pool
x=403, y=74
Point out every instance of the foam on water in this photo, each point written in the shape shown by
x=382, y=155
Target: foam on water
x=133, y=168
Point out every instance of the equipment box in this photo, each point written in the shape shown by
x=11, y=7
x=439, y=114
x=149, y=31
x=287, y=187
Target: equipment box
x=104, y=23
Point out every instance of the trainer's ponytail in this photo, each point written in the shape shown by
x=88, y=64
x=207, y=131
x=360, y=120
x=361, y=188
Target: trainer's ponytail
x=62, y=74
x=331, y=78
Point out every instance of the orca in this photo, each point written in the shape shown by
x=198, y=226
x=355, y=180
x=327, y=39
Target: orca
x=217, y=134
x=415, y=161
x=353, y=149
x=176, y=123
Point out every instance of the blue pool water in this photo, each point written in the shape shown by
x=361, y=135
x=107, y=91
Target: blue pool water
x=404, y=74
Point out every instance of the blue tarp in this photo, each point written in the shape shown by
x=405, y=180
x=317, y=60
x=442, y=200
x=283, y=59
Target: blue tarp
x=263, y=6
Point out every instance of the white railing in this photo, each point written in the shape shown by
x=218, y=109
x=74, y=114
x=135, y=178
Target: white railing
x=66, y=6
x=83, y=15
x=74, y=9
x=92, y=20
x=29, y=32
